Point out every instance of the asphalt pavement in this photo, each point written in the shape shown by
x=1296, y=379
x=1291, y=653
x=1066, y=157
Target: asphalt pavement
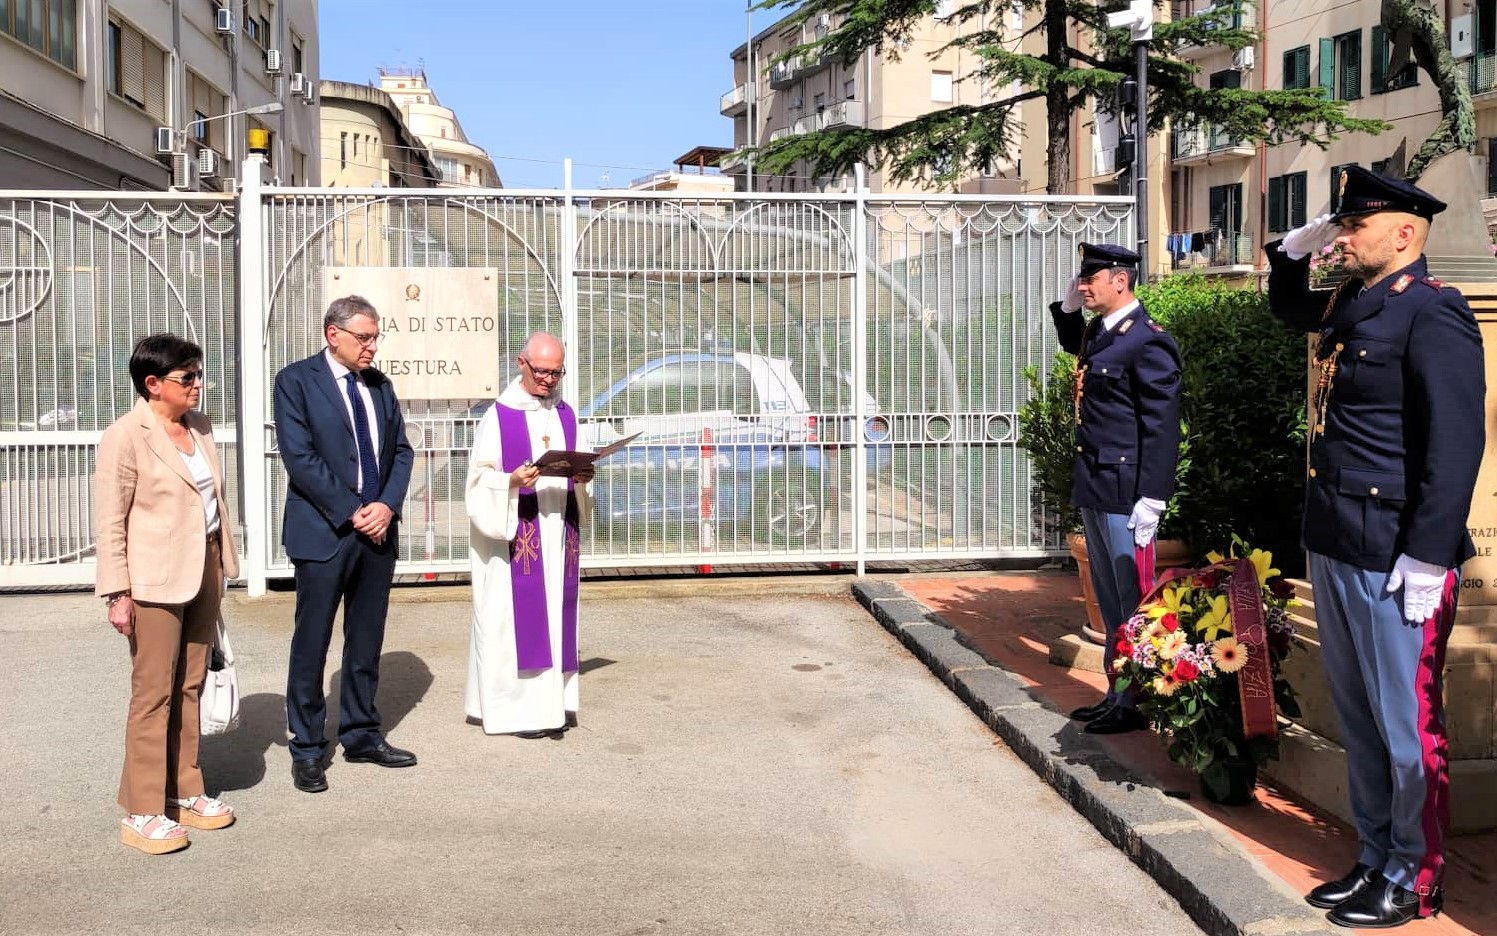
x=755, y=756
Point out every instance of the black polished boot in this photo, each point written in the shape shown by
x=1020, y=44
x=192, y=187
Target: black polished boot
x=1343, y=888
x=1093, y=711
x=1382, y=905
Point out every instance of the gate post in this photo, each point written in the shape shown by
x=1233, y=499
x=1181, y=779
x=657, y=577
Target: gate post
x=861, y=261
x=254, y=485
x=567, y=267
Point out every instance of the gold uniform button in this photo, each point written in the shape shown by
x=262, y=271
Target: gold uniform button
x=1340, y=346
x=1122, y=458
x=1080, y=449
x=1312, y=472
x=1362, y=353
x=1372, y=491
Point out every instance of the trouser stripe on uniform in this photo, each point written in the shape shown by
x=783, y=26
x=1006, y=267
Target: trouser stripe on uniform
x=1429, y=680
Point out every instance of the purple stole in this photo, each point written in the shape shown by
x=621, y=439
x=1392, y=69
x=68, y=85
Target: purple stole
x=527, y=569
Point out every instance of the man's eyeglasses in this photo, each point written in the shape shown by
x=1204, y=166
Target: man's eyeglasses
x=188, y=379
x=543, y=373
x=363, y=340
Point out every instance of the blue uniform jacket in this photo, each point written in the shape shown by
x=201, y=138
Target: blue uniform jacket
x=1128, y=425
x=1393, y=465
x=315, y=438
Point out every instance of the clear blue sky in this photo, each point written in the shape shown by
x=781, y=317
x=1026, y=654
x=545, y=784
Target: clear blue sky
x=620, y=87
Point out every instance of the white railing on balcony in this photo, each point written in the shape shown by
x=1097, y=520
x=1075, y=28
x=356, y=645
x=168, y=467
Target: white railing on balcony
x=1481, y=71
x=807, y=124
x=777, y=135
x=736, y=99
x=843, y=114
x=1198, y=141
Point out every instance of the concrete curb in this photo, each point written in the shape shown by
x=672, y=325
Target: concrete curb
x=1222, y=887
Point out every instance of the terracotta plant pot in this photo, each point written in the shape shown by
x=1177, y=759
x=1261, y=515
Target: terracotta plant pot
x=1168, y=554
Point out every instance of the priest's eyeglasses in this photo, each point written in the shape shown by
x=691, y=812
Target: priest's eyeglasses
x=544, y=373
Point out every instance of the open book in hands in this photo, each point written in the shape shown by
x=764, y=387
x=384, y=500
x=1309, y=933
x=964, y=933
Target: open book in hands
x=564, y=464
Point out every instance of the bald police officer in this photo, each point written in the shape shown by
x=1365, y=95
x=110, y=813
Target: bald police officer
x=1127, y=443
x=1397, y=433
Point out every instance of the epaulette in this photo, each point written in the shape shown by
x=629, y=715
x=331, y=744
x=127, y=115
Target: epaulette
x=1156, y=326
x=1127, y=324
x=1432, y=283
x=1400, y=284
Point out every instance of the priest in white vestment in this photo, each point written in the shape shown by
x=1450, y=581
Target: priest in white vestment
x=524, y=552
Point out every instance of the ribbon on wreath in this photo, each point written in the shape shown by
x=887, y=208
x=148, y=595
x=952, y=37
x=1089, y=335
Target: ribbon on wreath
x=1245, y=599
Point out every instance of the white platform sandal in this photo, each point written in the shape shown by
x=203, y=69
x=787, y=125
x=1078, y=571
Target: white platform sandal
x=200, y=812
x=154, y=835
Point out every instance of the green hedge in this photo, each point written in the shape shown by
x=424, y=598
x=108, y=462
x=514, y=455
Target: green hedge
x=1243, y=401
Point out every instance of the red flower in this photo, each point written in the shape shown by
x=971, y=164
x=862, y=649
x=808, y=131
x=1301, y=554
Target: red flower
x=1186, y=671
x=1170, y=622
x=1280, y=588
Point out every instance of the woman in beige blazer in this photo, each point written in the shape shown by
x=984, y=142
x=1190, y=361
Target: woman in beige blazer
x=164, y=548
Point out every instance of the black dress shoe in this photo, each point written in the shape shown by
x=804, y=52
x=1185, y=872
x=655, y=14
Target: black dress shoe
x=1381, y=905
x=538, y=733
x=382, y=754
x=1117, y=720
x=571, y=721
x=1089, y=712
x=308, y=776
x=1343, y=888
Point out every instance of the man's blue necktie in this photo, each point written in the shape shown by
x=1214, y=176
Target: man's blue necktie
x=369, y=490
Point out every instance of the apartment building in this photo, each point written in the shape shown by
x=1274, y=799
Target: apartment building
x=366, y=142
x=89, y=88
x=691, y=175
x=460, y=162
x=1229, y=196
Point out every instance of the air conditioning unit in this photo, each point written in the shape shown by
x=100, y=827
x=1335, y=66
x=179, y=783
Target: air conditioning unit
x=166, y=140
x=1461, y=39
x=824, y=21
x=182, y=166
x=298, y=83
x=229, y=184
x=272, y=61
x=207, y=163
x=308, y=94
x=223, y=21
x=1242, y=59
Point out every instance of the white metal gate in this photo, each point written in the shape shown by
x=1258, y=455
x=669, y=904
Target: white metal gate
x=830, y=378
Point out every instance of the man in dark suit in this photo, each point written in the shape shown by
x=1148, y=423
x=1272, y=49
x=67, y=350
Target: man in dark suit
x=342, y=439
x=1396, y=438
x=1127, y=444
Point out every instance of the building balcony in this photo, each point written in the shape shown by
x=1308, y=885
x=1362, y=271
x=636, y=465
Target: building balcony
x=1228, y=253
x=1105, y=161
x=736, y=161
x=842, y=114
x=784, y=73
x=1179, y=9
x=776, y=136
x=1481, y=73
x=1197, y=145
x=736, y=101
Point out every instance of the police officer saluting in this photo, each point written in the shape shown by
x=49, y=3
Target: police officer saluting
x=1397, y=433
x=1127, y=443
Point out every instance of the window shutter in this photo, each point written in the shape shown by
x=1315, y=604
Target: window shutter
x=132, y=64
x=155, y=82
x=1297, y=200
x=1327, y=74
x=1302, y=67
x=1276, y=204
x=1379, y=60
x=1351, y=66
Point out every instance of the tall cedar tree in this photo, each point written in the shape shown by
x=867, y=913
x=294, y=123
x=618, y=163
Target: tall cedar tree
x=946, y=144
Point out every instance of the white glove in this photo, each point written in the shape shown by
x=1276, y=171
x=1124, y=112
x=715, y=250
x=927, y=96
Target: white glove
x=1072, y=301
x=1145, y=519
x=1303, y=241
x=1423, y=584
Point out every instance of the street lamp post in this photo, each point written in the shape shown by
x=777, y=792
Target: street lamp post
x=1139, y=18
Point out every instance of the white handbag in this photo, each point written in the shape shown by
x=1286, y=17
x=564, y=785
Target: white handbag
x=218, y=708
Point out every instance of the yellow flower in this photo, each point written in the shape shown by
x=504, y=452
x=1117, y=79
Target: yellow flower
x=1165, y=686
x=1215, y=620
x=1214, y=557
x=1171, y=645
x=1262, y=561
x=1173, y=601
x=1230, y=656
